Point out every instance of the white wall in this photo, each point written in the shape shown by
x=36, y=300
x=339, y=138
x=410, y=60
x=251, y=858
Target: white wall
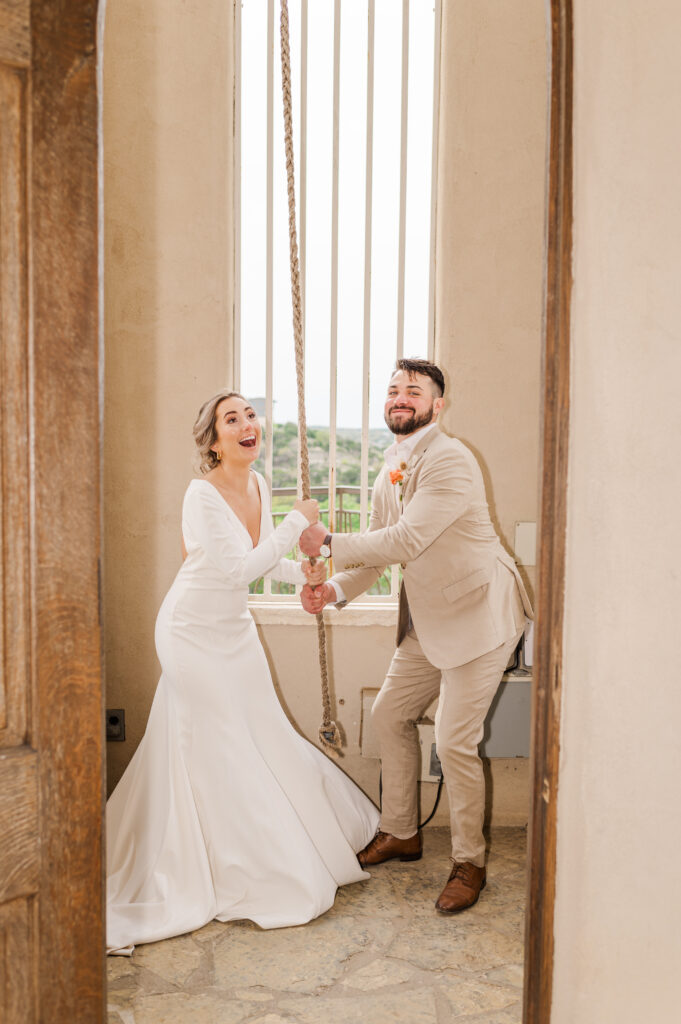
x=617, y=936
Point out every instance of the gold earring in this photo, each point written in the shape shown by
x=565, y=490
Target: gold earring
x=219, y=454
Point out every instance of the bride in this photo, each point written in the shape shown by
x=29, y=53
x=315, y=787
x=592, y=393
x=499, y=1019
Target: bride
x=225, y=811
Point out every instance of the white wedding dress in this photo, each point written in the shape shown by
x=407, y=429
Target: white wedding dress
x=225, y=811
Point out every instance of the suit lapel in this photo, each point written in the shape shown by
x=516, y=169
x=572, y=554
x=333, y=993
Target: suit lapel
x=415, y=458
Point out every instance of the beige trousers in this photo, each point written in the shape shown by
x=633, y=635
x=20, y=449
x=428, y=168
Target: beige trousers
x=465, y=694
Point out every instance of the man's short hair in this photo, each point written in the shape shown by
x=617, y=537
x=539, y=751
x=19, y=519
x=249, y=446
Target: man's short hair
x=413, y=366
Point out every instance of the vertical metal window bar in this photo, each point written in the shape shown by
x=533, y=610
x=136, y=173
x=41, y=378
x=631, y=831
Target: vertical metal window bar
x=403, y=179
x=399, y=347
x=302, y=199
x=364, y=460
x=433, y=178
x=236, y=210
x=333, y=339
x=269, y=274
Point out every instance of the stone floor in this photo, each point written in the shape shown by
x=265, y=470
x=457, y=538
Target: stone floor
x=381, y=954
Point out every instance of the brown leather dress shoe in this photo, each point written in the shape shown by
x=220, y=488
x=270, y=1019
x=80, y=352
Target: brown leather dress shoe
x=386, y=847
x=463, y=888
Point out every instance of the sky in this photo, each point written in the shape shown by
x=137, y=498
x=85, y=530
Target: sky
x=352, y=160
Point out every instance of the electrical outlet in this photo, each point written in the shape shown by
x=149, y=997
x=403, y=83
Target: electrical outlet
x=115, y=725
x=431, y=769
x=435, y=766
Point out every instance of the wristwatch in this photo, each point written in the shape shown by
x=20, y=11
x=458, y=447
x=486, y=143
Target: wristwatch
x=325, y=548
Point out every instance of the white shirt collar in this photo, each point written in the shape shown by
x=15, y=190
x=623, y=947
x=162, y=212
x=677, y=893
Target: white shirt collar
x=401, y=450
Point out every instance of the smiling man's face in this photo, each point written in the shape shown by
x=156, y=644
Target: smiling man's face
x=411, y=403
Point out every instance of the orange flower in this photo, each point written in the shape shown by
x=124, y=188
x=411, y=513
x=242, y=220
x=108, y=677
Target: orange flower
x=395, y=476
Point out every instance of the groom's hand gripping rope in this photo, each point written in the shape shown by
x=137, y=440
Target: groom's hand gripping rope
x=315, y=572
x=313, y=600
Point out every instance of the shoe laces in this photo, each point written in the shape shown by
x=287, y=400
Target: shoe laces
x=462, y=870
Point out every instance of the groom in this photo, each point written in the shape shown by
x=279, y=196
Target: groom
x=461, y=614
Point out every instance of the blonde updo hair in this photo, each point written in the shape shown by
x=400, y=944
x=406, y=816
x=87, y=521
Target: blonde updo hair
x=205, y=434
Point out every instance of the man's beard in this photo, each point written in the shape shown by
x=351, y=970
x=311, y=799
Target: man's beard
x=412, y=423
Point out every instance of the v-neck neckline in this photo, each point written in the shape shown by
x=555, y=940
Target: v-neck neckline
x=238, y=518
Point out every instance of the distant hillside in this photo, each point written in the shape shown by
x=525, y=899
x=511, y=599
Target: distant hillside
x=348, y=454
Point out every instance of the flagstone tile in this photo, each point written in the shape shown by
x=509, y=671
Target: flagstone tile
x=416, y=1006
x=183, y=1007
x=378, y=974
x=508, y=974
x=211, y=932
x=469, y=997
x=300, y=959
x=376, y=897
x=174, y=959
x=453, y=942
x=119, y=967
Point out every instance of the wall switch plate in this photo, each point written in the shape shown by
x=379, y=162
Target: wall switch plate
x=115, y=725
x=525, y=543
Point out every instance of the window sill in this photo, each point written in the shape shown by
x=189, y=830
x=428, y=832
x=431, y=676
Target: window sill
x=289, y=613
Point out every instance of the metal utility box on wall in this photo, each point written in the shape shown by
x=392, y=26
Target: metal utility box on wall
x=507, y=726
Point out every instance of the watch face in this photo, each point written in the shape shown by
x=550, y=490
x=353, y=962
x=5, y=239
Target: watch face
x=325, y=551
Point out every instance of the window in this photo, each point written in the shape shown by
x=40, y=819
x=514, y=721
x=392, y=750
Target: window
x=364, y=79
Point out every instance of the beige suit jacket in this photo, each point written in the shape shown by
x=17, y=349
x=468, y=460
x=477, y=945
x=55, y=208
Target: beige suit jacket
x=462, y=588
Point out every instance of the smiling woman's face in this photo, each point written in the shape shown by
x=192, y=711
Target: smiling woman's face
x=238, y=431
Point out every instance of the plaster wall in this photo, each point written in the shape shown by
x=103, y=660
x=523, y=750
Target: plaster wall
x=490, y=235
x=167, y=306
x=168, y=239
x=617, y=945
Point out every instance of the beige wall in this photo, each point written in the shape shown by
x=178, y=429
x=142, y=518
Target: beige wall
x=166, y=128
x=168, y=305
x=618, y=949
x=490, y=234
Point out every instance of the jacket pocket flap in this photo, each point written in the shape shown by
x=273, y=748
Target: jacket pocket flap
x=471, y=582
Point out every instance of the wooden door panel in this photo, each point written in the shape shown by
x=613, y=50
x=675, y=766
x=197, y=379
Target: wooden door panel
x=51, y=707
x=19, y=851
x=18, y=954
x=14, y=507
x=19, y=832
x=15, y=32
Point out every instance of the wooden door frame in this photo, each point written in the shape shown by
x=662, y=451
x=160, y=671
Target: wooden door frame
x=548, y=667
x=67, y=410
x=63, y=506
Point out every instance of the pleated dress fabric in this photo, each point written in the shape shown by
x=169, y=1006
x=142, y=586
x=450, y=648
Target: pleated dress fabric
x=225, y=811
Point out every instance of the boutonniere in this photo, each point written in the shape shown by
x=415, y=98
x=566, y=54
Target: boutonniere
x=397, y=476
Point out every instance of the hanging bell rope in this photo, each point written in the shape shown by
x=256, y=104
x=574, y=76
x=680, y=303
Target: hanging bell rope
x=329, y=734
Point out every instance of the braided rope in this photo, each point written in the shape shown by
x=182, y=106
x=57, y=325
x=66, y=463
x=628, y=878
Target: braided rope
x=329, y=732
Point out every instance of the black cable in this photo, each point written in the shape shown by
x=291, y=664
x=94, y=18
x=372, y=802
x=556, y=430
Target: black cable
x=437, y=797
x=437, y=801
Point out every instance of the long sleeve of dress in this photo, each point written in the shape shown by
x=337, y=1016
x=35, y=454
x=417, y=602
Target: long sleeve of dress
x=287, y=571
x=207, y=522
